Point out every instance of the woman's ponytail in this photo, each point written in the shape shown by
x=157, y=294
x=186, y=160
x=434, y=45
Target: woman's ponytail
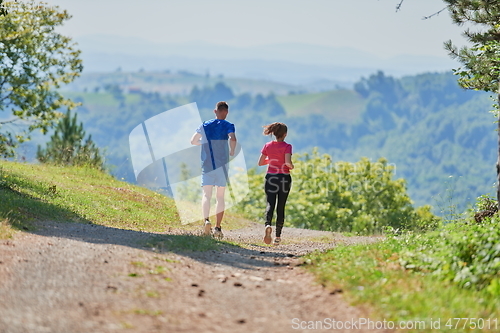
x=277, y=129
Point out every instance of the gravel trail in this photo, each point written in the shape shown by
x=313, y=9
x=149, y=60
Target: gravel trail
x=69, y=277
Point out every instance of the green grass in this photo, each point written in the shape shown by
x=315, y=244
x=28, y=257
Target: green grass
x=339, y=105
x=33, y=192
x=6, y=230
x=372, y=275
x=184, y=243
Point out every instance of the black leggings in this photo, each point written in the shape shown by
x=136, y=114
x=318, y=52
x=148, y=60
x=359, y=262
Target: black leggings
x=277, y=186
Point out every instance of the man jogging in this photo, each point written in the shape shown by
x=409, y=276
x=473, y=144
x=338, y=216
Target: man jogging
x=213, y=136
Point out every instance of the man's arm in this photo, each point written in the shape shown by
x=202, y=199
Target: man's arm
x=232, y=143
x=195, y=140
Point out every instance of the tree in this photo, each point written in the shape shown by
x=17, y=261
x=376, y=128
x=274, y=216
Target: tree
x=67, y=146
x=359, y=197
x=34, y=62
x=208, y=96
x=481, y=61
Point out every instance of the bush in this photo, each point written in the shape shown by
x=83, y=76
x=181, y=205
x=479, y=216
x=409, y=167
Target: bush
x=357, y=197
x=464, y=252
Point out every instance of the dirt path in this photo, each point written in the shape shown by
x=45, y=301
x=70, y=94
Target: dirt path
x=87, y=278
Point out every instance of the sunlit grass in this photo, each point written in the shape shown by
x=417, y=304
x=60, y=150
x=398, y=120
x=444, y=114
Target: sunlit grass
x=32, y=192
x=6, y=230
x=371, y=275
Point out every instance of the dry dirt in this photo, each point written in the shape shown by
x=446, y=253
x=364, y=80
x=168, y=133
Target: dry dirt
x=69, y=277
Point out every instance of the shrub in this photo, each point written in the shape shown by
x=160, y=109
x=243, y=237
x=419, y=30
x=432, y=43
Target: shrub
x=465, y=252
x=359, y=197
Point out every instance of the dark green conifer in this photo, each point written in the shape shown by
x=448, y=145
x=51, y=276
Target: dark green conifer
x=68, y=147
x=481, y=60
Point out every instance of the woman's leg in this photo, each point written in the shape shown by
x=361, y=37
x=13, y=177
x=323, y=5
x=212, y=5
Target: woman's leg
x=284, y=189
x=271, y=193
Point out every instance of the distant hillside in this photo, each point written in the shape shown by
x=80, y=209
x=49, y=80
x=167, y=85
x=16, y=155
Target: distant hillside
x=181, y=83
x=440, y=138
x=344, y=106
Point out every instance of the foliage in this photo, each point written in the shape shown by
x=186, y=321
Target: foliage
x=67, y=146
x=109, y=118
x=383, y=93
x=484, y=202
x=357, y=197
x=204, y=97
x=437, y=130
x=482, y=59
x=35, y=60
x=467, y=253
x=386, y=86
x=370, y=274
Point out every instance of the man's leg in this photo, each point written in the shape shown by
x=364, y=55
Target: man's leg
x=221, y=205
x=205, y=207
x=205, y=201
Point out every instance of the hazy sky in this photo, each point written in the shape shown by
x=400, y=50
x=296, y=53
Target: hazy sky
x=367, y=25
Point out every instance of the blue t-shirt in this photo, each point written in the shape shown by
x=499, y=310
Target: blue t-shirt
x=214, y=145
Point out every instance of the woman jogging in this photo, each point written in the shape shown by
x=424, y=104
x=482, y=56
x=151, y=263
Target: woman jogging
x=277, y=154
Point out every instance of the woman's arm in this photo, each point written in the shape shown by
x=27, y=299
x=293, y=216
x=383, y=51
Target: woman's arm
x=288, y=161
x=263, y=159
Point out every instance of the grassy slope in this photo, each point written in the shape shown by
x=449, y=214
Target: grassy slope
x=33, y=192
x=372, y=275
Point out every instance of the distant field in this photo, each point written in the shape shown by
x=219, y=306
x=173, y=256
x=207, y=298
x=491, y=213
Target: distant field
x=174, y=83
x=338, y=105
x=101, y=99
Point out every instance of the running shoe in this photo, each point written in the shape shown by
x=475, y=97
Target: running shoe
x=207, y=229
x=277, y=241
x=218, y=233
x=267, y=237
